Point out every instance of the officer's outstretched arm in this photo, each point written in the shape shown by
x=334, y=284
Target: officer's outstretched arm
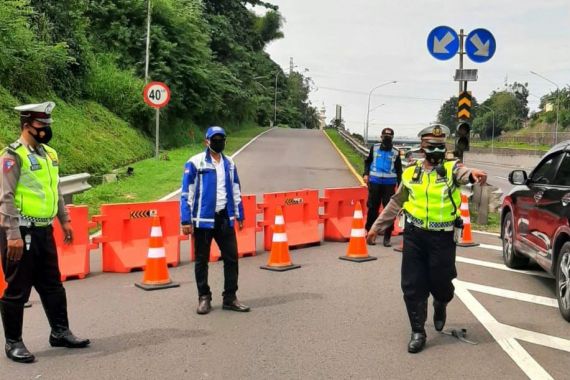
x=386, y=218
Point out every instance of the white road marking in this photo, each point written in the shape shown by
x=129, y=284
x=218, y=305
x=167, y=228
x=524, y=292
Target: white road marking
x=505, y=293
x=486, y=233
x=506, y=336
x=492, y=247
x=503, y=178
x=503, y=267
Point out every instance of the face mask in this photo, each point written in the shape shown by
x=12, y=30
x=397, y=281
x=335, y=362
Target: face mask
x=387, y=141
x=217, y=146
x=43, y=135
x=435, y=154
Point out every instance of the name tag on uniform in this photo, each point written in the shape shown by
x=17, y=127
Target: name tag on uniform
x=34, y=163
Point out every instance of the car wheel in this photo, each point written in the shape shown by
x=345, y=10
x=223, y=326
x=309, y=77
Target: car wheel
x=510, y=256
x=563, y=281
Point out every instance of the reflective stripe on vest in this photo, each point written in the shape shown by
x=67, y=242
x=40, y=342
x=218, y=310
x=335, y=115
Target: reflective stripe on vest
x=383, y=163
x=428, y=200
x=36, y=194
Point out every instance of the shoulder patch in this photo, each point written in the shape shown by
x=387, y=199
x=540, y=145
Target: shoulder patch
x=8, y=164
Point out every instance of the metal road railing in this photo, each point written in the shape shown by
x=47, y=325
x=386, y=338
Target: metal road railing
x=74, y=184
x=355, y=144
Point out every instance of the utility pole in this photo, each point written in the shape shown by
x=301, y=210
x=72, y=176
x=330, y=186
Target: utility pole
x=146, y=61
x=291, y=65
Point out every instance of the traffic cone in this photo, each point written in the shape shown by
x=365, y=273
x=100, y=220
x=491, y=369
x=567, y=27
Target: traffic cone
x=400, y=248
x=156, y=270
x=357, y=250
x=466, y=236
x=401, y=220
x=279, y=258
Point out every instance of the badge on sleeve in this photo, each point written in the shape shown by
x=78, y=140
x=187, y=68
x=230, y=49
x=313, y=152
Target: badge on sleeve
x=8, y=164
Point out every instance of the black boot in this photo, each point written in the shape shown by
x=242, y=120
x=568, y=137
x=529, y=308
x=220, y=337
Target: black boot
x=417, y=312
x=439, y=314
x=386, y=241
x=204, y=304
x=55, y=306
x=13, y=318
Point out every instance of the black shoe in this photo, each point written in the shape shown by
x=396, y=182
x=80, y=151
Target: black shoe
x=439, y=314
x=387, y=242
x=17, y=351
x=235, y=305
x=67, y=339
x=204, y=305
x=417, y=342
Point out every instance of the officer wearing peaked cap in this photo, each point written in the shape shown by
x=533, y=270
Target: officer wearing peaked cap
x=430, y=196
x=30, y=199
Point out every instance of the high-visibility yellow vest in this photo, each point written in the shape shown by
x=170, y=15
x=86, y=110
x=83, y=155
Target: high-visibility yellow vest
x=36, y=194
x=429, y=205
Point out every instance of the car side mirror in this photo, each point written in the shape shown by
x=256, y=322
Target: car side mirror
x=518, y=177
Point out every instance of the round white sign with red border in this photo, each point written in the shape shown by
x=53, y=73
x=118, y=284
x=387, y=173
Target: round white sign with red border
x=156, y=94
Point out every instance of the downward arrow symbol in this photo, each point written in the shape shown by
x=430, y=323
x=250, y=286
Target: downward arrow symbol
x=440, y=46
x=482, y=48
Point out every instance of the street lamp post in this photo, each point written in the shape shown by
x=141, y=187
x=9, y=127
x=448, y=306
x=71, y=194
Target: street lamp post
x=493, y=131
x=557, y=102
x=147, y=53
x=368, y=109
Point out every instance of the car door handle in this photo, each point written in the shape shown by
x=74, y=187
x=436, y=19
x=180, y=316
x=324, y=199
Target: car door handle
x=565, y=199
x=538, y=196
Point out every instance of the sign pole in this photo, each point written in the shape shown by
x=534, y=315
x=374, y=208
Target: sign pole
x=461, y=53
x=157, y=132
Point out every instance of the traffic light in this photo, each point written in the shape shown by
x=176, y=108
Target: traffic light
x=462, y=138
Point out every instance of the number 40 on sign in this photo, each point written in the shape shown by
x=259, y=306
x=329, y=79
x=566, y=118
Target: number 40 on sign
x=156, y=94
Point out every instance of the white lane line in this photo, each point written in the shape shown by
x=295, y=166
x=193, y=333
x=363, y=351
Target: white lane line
x=503, y=335
x=492, y=247
x=486, y=233
x=505, y=293
x=503, y=267
x=503, y=178
x=175, y=193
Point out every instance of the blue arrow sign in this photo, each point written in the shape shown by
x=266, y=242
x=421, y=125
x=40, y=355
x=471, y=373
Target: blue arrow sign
x=480, y=45
x=443, y=43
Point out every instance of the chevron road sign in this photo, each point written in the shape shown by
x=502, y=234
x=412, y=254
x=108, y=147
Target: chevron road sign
x=464, y=105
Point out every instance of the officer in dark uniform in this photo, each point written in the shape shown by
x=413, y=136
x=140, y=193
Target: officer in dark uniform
x=30, y=199
x=430, y=197
x=382, y=173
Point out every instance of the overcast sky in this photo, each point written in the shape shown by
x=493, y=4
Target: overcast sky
x=350, y=47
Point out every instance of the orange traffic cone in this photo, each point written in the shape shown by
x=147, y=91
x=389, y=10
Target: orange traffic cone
x=357, y=250
x=401, y=221
x=279, y=258
x=466, y=237
x=156, y=270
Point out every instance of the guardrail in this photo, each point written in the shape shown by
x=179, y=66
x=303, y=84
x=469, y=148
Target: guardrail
x=74, y=184
x=355, y=144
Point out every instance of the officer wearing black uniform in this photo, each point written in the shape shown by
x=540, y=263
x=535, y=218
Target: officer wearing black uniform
x=30, y=199
x=430, y=197
x=382, y=173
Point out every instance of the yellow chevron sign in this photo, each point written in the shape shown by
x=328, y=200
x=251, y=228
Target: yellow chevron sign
x=464, y=114
x=464, y=105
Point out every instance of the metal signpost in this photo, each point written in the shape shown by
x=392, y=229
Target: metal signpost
x=157, y=96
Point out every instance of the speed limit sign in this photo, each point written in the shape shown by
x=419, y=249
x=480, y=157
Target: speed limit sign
x=156, y=94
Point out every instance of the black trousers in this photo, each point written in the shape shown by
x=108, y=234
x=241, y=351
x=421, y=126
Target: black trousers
x=428, y=265
x=378, y=194
x=38, y=267
x=225, y=237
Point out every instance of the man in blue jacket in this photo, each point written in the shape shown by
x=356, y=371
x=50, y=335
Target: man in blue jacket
x=210, y=204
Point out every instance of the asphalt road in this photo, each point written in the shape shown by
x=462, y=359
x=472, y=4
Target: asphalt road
x=330, y=319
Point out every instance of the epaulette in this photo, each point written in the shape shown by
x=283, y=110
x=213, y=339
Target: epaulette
x=15, y=145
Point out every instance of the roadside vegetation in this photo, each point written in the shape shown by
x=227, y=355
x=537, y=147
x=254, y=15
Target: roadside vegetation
x=355, y=158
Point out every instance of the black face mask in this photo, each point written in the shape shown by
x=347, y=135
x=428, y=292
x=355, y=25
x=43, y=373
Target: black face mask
x=217, y=146
x=435, y=154
x=387, y=141
x=43, y=135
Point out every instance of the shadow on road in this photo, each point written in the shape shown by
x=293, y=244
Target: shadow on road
x=283, y=299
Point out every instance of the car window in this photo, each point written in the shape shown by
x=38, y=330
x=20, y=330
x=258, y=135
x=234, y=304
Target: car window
x=562, y=178
x=544, y=173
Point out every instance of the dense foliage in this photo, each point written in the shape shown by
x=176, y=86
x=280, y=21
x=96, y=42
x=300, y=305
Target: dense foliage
x=210, y=52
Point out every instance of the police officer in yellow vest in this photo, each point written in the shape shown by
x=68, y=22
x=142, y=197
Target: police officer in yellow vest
x=30, y=199
x=430, y=196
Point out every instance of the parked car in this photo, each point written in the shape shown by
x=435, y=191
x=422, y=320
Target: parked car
x=535, y=220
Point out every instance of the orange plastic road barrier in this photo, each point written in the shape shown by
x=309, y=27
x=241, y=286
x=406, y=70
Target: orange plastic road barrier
x=357, y=250
x=301, y=210
x=156, y=270
x=246, y=238
x=124, y=229
x=466, y=237
x=74, y=258
x=3, y=283
x=339, y=209
x=279, y=258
